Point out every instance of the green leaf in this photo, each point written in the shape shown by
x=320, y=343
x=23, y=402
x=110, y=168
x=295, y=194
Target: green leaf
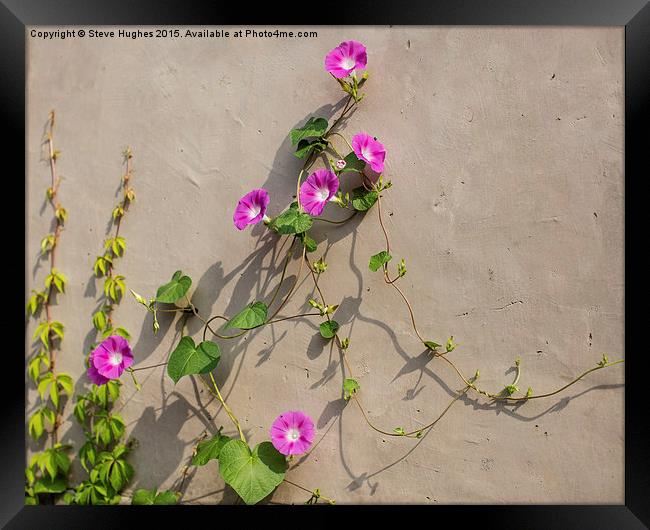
x=313, y=127
x=209, y=449
x=363, y=199
x=99, y=320
x=144, y=497
x=353, y=163
x=65, y=382
x=50, y=485
x=175, y=289
x=309, y=243
x=432, y=345
x=188, y=358
x=166, y=498
x=35, y=425
x=88, y=455
x=121, y=332
x=252, y=316
x=253, y=475
x=305, y=147
x=350, y=387
x=292, y=221
x=378, y=260
x=400, y=431
x=329, y=328
x=450, y=345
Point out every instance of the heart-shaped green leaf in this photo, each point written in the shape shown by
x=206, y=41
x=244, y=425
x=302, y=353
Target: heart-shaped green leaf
x=313, y=127
x=209, y=449
x=329, y=328
x=292, y=221
x=188, y=358
x=252, y=316
x=253, y=475
x=378, y=260
x=175, y=289
x=431, y=345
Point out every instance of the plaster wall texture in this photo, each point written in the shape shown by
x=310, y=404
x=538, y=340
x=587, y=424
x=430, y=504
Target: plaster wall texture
x=505, y=147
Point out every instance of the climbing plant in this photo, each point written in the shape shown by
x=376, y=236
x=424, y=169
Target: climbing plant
x=47, y=472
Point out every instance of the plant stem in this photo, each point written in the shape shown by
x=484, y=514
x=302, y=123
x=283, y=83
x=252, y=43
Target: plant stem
x=227, y=409
x=53, y=196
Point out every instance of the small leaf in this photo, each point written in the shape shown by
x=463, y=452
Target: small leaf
x=353, y=163
x=432, y=345
x=328, y=329
x=250, y=317
x=350, y=387
x=400, y=431
x=309, y=243
x=305, y=147
x=363, y=199
x=166, y=498
x=99, y=320
x=175, y=289
x=144, y=497
x=209, y=449
x=121, y=332
x=378, y=260
x=450, y=345
x=188, y=358
x=35, y=425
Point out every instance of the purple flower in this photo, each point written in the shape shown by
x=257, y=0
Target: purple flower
x=94, y=376
x=345, y=58
x=292, y=433
x=109, y=359
x=319, y=188
x=251, y=208
x=369, y=150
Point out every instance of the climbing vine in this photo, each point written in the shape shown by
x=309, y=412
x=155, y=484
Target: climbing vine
x=355, y=163
x=255, y=472
x=103, y=455
x=47, y=472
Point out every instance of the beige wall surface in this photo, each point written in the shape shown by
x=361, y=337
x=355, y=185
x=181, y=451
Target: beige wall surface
x=505, y=148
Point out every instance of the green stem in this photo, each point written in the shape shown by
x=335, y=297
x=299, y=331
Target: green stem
x=227, y=409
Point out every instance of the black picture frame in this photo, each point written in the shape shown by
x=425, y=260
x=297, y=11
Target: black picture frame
x=633, y=14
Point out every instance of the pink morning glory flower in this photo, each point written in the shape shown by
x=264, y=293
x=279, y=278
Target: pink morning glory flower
x=369, y=150
x=319, y=188
x=94, y=376
x=292, y=433
x=251, y=208
x=346, y=58
x=110, y=359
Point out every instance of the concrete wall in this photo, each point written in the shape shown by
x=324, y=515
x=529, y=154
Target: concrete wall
x=505, y=147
